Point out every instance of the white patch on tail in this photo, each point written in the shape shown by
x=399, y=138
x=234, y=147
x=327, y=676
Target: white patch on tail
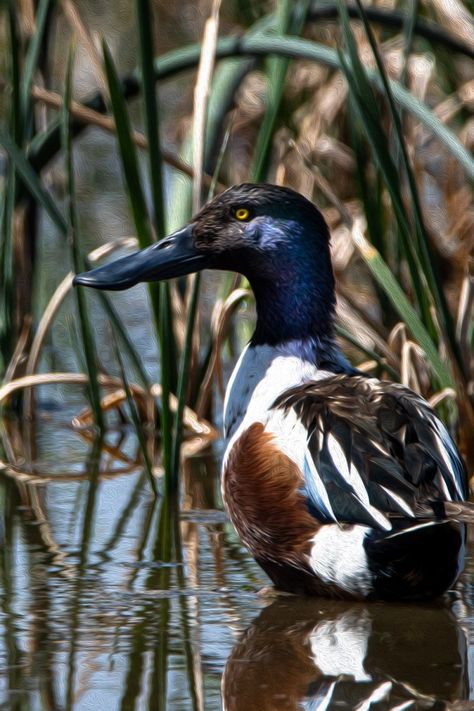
x=338, y=557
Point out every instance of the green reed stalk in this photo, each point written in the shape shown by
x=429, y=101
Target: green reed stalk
x=136, y=423
x=168, y=65
x=84, y=321
x=8, y=202
x=165, y=332
x=422, y=239
x=32, y=57
x=32, y=181
x=160, y=307
x=188, y=341
x=288, y=20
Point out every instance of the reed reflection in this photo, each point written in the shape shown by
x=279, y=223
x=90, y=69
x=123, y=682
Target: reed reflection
x=313, y=654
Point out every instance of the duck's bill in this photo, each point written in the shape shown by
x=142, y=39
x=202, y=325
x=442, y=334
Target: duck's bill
x=173, y=256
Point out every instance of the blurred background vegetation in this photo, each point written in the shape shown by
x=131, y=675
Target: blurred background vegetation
x=116, y=127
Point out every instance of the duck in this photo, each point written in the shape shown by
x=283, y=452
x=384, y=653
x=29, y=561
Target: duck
x=339, y=484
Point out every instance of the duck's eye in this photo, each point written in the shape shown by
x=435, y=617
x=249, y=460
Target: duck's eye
x=242, y=214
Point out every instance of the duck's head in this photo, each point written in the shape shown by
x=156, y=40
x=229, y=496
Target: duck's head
x=272, y=235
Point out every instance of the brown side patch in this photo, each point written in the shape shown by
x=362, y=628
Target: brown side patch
x=261, y=492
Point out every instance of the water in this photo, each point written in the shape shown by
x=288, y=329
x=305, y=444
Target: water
x=113, y=601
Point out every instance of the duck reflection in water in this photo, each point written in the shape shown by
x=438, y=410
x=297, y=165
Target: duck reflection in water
x=329, y=655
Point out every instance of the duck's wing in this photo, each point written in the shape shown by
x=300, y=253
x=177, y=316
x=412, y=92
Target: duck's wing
x=375, y=451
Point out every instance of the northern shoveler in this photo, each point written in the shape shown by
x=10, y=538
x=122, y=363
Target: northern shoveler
x=339, y=484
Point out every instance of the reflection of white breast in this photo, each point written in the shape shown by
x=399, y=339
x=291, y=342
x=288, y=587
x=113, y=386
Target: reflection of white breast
x=339, y=647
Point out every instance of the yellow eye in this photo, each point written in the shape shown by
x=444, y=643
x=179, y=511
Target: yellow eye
x=242, y=213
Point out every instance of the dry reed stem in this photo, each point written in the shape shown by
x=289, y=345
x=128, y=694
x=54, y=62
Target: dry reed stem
x=27, y=381
x=445, y=394
x=53, y=306
x=94, y=118
x=201, y=96
x=197, y=425
x=220, y=323
x=81, y=30
x=19, y=352
x=22, y=477
x=455, y=16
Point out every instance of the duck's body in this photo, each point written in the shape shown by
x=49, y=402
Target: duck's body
x=337, y=483
x=330, y=478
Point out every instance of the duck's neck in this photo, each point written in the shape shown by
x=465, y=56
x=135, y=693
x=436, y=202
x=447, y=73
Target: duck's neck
x=293, y=340
x=296, y=304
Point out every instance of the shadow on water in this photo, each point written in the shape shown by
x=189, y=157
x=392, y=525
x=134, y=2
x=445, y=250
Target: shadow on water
x=113, y=600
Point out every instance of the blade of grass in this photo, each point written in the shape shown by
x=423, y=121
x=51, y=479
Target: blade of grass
x=6, y=270
x=78, y=262
x=288, y=20
x=423, y=249
x=136, y=423
x=187, y=349
x=7, y=199
x=185, y=58
x=383, y=274
x=151, y=111
x=160, y=307
x=31, y=180
x=164, y=326
x=15, y=123
x=32, y=56
x=371, y=120
x=127, y=153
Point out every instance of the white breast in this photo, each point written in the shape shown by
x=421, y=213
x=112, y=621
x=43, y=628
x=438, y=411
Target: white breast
x=260, y=376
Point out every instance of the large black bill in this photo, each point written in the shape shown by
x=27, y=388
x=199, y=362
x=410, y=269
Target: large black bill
x=173, y=256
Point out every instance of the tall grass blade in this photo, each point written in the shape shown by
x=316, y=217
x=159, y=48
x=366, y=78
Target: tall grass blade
x=78, y=262
x=32, y=56
x=127, y=153
x=161, y=294
x=288, y=20
x=136, y=423
x=422, y=240
x=151, y=112
x=370, y=118
x=15, y=122
x=160, y=307
x=32, y=182
x=6, y=271
x=187, y=349
x=383, y=274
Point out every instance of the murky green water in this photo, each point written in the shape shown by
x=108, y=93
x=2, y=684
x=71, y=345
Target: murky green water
x=112, y=601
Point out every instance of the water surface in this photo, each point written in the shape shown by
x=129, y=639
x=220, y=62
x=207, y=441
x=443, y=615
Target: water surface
x=111, y=600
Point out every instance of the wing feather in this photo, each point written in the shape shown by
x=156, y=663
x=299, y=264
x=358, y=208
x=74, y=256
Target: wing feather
x=375, y=451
